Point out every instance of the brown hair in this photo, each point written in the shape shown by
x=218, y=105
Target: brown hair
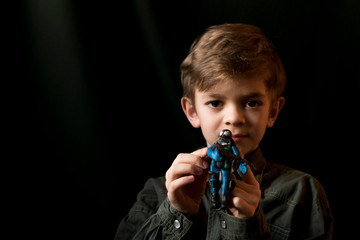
x=229, y=51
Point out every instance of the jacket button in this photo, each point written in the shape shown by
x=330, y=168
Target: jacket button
x=177, y=224
x=223, y=224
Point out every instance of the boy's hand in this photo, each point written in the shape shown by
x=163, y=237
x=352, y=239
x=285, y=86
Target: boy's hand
x=245, y=197
x=186, y=181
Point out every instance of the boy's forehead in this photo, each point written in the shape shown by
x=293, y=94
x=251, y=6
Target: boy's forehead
x=238, y=85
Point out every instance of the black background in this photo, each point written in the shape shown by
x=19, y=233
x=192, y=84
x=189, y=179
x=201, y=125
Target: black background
x=93, y=105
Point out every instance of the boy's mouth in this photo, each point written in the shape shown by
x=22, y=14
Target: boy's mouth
x=239, y=137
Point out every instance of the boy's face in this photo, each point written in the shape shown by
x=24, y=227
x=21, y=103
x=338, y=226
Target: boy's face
x=242, y=106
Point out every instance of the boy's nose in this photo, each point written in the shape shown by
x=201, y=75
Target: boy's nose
x=234, y=116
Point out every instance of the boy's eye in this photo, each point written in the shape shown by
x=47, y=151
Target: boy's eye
x=214, y=104
x=252, y=104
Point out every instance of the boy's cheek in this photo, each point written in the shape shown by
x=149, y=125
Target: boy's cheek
x=209, y=140
x=210, y=136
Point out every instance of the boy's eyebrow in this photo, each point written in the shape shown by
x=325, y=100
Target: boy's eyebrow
x=246, y=96
x=215, y=95
x=254, y=95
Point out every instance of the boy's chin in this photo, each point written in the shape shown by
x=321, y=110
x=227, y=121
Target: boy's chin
x=245, y=149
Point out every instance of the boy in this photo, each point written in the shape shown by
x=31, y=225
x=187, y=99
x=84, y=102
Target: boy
x=232, y=79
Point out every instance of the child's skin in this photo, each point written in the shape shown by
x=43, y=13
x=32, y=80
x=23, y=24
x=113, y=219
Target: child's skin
x=245, y=107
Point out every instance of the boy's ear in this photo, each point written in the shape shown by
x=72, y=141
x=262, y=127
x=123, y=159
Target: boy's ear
x=190, y=111
x=274, y=111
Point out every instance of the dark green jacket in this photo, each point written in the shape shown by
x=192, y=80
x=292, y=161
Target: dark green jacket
x=293, y=205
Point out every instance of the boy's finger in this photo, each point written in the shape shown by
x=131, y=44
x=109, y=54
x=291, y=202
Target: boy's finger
x=200, y=152
x=180, y=182
x=249, y=177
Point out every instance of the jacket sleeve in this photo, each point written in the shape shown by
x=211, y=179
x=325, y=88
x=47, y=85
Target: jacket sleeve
x=166, y=223
x=153, y=217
